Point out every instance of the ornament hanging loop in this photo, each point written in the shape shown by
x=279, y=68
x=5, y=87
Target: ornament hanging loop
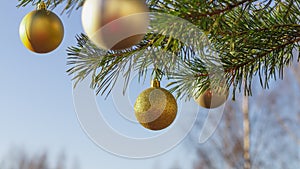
x=155, y=83
x=41, y=6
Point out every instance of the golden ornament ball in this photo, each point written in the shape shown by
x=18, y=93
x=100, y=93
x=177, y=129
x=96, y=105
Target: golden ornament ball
x=115, y=24
x=155, y=108
x=41, y=31
x=212, y=99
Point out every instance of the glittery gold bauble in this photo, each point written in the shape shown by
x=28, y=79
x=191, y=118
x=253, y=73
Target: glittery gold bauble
x=41, y=31
x=212, y=99
x=155, y=108
x=115, y=24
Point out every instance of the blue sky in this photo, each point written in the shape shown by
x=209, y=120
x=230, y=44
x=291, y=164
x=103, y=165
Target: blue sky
x=36, y=103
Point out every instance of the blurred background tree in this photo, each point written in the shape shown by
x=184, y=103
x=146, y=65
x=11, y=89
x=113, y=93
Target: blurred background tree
x=20, y=159
x=274, y=138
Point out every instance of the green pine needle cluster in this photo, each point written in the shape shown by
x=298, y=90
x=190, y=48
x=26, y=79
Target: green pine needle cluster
x=249, y=38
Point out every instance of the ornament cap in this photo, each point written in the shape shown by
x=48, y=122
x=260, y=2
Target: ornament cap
x=155, y=83
x=41, y=5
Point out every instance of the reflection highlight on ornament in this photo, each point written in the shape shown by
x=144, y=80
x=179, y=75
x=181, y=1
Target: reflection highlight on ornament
x=150, y=105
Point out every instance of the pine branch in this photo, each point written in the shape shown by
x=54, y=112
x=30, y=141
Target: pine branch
x=245, y=63
x=107, y=66
x=249, y=39
x=228, y=7
x=70, y=5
